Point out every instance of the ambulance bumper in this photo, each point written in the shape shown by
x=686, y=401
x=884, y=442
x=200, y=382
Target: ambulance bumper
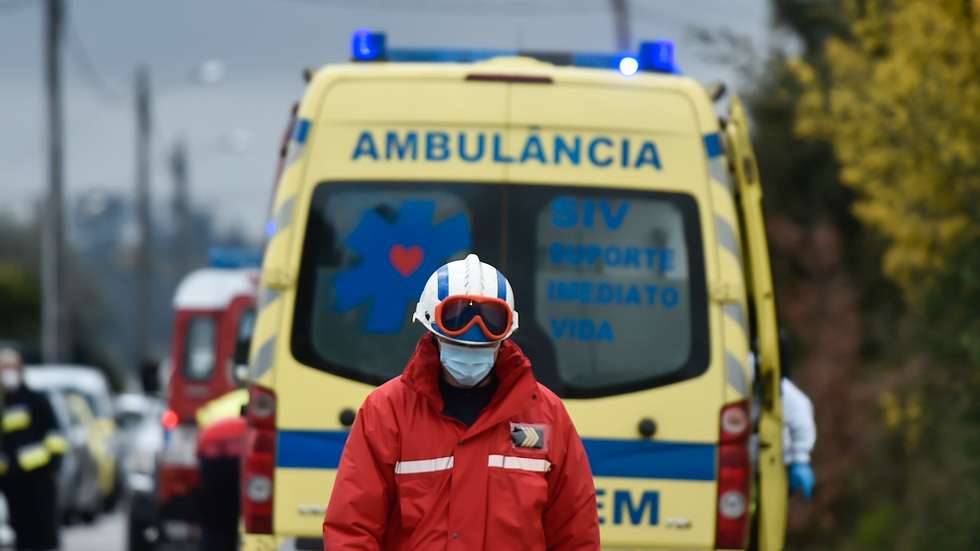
x=256, y=542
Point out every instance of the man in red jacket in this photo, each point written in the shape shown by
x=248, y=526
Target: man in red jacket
x=466, y=450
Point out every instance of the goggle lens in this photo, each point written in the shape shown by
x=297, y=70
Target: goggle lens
x=457, y=314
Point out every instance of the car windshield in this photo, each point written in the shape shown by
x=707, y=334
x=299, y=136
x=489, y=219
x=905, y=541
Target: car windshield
x=609, y=284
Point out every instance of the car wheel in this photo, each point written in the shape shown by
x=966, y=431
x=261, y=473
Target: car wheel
x=88, y=517
x=136, y=536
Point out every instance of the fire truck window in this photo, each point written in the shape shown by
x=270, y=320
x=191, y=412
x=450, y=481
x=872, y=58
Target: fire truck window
x=199, y=349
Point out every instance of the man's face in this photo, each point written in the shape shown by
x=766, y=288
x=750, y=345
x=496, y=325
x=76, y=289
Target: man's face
x=11, y=370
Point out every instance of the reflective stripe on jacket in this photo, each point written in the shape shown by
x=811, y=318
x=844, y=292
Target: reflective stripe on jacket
x=31, y=439
x=16, y=418
x=413, y=478
x=33, y=457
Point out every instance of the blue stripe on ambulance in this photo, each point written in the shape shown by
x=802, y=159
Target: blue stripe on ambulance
x=302, y=130
x=608, y=457
x=640, y=459
x=712, y=145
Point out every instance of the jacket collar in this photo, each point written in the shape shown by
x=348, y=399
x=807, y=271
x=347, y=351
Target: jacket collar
x=513, y=370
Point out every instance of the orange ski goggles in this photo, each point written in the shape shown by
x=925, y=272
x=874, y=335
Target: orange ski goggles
x=455, y=315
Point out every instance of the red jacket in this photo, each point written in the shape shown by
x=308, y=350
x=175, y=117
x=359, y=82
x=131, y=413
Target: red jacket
x=411, y=478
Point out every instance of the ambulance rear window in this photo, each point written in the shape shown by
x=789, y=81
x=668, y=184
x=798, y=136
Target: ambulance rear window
x=609, y=284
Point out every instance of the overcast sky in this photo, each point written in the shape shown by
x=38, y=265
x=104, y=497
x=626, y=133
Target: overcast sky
x=264, y=44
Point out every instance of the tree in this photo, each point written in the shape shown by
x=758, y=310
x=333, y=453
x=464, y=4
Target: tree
x=897, y=95
x=20, y=303
x=900, y=102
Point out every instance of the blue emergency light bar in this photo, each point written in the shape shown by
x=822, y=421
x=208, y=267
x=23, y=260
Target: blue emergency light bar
x=656, y=56
x=234, y=257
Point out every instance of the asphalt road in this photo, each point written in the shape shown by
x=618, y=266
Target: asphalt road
x=108, y=533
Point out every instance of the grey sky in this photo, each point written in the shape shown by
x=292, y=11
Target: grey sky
x=264, y=44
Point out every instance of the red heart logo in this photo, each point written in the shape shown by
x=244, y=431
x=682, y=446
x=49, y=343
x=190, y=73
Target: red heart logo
x=405, y=259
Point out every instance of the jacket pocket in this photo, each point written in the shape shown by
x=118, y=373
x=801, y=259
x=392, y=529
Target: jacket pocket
x=418, y=494
x=517, y=498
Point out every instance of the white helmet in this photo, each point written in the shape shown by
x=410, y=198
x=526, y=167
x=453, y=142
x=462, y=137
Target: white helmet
x=470, y=278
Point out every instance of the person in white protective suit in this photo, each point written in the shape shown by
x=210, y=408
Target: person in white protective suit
x=799, y=437
x=799, y=426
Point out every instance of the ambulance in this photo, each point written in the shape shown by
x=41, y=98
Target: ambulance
x=626, y=214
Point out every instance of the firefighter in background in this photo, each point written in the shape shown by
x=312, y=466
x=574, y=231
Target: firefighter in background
x=465, y=450
x=31, y=453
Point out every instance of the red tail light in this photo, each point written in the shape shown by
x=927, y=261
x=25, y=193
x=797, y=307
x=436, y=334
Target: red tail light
x=259, y=461
x=178, y=460
x=176, y=481
x=169, y=419
x=734, y=478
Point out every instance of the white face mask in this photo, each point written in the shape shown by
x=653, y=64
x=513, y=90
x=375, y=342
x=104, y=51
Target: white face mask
x=467, y=364
x=10, y=379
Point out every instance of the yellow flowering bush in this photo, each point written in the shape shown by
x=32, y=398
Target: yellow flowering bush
x=899, y=100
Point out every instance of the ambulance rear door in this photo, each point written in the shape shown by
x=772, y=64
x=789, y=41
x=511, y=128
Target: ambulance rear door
x=772, y=472
x=616, y=309
x=386, y=199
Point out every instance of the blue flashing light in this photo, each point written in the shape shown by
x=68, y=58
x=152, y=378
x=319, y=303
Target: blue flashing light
x=270, y=228
x=658, y=56
x=367, y=45
x=234, y=257
x=595, y=61
x=436, y=55
x=628, y=66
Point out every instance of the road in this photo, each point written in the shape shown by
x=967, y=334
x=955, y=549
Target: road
x=107, y=534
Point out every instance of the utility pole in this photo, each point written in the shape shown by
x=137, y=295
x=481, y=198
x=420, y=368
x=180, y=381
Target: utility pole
x=54, y=309
x=621, y=25
x=142, y=306
x=181, y=206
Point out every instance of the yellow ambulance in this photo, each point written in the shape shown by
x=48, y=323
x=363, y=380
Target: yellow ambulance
x=626, y=214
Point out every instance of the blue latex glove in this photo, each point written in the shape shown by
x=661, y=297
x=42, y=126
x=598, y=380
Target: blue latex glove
x=802, y=479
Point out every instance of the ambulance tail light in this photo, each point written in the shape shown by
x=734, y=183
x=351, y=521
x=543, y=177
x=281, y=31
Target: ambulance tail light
x=259, y=461
x=734, y=478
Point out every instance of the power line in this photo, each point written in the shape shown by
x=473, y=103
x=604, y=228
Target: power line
x=90, y=71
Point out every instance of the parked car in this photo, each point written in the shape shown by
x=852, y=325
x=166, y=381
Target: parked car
x=131, y=411
x=78, y=476
x=140, y=466
x=91, y=385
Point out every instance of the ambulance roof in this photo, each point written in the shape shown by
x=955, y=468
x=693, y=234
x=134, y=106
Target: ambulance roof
x=214, y=288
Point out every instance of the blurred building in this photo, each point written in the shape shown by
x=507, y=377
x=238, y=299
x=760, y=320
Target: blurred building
x=103, y=233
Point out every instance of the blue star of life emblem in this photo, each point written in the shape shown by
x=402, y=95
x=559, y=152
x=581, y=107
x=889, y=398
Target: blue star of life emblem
x=396, y=259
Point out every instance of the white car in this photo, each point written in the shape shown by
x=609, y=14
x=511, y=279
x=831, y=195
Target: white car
x=87, y=380
x=78, y=488
x=91, y=384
